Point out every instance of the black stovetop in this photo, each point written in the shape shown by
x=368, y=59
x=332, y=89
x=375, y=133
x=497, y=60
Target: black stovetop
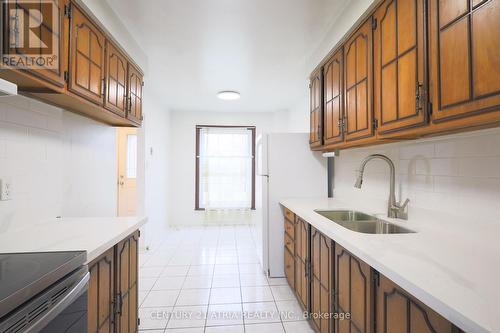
x=24, y=275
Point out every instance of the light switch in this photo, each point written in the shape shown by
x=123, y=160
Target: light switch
x=5, y=190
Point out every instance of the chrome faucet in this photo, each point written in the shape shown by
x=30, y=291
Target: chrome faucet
x=394, y=209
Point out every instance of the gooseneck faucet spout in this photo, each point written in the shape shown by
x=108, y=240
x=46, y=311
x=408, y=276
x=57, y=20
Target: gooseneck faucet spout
x=394, y=209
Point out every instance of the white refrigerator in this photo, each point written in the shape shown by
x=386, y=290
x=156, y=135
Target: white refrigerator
x=286, y=167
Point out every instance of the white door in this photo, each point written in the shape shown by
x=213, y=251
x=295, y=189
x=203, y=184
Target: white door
x=127, y=171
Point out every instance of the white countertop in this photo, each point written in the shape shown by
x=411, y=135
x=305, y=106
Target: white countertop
x=451, y=264
x=94, y=235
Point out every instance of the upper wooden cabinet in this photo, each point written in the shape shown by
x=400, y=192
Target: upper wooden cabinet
x=359, y=83
x=93, y=76
x=116, y=80
x=465, y=57
x=316, y=126
x=413, y=68
x=46, y=33
x=135, y=84
x=333, y=96
x=86, y=58
x=399, y=68
x=397, y=311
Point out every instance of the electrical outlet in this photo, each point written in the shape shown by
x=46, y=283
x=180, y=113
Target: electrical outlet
x=5, y=190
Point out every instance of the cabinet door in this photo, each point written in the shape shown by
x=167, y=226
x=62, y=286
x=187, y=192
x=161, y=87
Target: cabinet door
x=49, y=32
x=333, y=99
x=302, y=276
x=321, y=281
x=315, y=110
x=354, y=292
x=358, y=83
x=290, y=268
x=399, y=67
x=398, y=312
x=126, y=282
x=135, y=83
x=86, y=58
x=465, y=57
x=116, y=80
x=100, y=294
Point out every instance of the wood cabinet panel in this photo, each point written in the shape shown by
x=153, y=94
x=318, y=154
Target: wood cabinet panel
x=289, y=243
x=86, y=58
x=50, y=33
x=290, y=228
x=101, y=294
x=289, y=215
x=302, y=260
x=354, y=292
x=316, y=112
x=321, y=281
x=290, y=268
x=116, y=80
x=465, y=58
x=358, y=77
x=399, y=312
x=333, y=104
x=126, y=283
x=135, y=83
x=399, y=66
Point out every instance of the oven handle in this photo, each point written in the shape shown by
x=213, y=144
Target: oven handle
x=78, y=289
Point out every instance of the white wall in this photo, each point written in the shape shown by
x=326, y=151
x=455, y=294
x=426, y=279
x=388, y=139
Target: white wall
x=59, y=163
x=156, y=156
x=182, y=165
x=458, y=174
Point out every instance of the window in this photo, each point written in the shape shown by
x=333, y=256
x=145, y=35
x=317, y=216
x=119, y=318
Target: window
x=131, y=156
x=225, y=167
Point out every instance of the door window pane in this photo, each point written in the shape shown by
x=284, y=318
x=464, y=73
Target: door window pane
x=132, y=156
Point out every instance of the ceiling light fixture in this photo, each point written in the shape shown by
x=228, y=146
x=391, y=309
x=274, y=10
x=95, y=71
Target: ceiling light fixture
x=228, y=95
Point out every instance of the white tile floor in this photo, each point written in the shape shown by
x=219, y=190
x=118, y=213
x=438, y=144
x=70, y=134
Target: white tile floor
x=209, y=280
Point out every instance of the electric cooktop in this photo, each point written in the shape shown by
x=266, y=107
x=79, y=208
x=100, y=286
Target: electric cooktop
x=24, y=275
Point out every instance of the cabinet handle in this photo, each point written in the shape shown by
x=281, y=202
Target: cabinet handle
x=418, y=97
x=103, y=87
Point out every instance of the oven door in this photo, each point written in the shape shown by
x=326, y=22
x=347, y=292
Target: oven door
x=60, y=308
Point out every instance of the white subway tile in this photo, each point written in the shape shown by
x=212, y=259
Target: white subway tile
x=479, y=167
x=416, y=151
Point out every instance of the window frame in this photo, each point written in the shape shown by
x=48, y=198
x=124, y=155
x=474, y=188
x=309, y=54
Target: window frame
x=197, y=162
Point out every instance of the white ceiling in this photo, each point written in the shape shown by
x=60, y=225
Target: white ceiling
x=260, y=48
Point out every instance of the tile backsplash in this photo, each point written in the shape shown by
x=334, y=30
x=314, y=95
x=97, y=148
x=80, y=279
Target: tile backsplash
x=457, y=174
x=58, y=163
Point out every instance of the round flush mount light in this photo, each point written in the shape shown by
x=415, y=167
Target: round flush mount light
x=228, y=95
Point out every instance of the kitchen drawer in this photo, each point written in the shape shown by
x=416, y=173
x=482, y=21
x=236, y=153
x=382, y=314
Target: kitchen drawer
x=290, y=229
x=289, y=243
x=290, y=268
x=290, y=216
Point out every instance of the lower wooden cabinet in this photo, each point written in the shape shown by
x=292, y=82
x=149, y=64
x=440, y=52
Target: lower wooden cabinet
x=343, y=294
x=399, y=312
x=113, y=289
x=302, y=263
x=127, y=284
x=321, y=281
x=101, y=293
x=354, y=292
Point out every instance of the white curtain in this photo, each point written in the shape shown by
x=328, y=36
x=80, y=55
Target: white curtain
x=225, y=168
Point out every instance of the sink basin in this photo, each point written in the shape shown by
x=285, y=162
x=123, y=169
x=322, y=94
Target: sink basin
x=345, y=215
x=361, y=222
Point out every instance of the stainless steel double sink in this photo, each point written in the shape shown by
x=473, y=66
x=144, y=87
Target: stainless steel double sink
x=361, y=222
